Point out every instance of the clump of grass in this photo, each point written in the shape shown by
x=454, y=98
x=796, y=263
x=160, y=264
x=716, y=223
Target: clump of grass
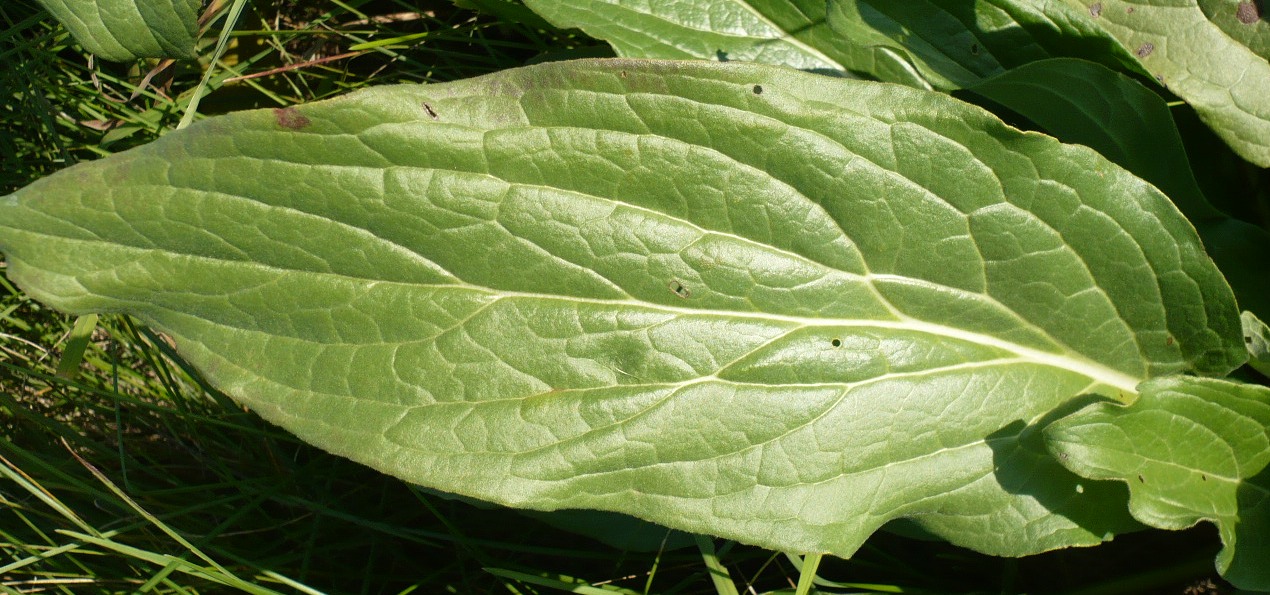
x=122, y=472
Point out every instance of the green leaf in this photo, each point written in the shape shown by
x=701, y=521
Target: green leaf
x=784, y=32
x=1212, y=53
x=956, y=44
x=125, y=30
x=1190, y=450
x=1257, y=337
x=1085, y=103
x=733, y=299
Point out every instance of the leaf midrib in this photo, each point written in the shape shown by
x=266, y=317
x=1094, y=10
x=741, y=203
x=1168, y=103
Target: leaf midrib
x=1065, y=361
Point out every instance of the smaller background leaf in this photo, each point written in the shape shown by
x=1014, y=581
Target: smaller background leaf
x=1257, y=336
x=125, y=30
x=785, y=32
x=1210, y=53
x=956, y=44
x=1190, y=450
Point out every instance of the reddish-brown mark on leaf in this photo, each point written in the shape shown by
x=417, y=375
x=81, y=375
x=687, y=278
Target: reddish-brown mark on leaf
x=431, y=112
x=1128, y=10
x=1095, y=9
x=1145, y=49
x=289, y=117
x=1248, y=13
x=1169, y=342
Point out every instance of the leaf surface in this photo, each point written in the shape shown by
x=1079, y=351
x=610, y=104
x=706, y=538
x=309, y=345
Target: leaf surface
x=736, y=299
x=1190, y=450
x=125, y=30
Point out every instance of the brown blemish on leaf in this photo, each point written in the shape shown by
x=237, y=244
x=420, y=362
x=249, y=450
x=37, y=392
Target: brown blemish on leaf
x=289, y=117
x=1128, y=10
x=431, y=112
x=1145, y=49
x=1248, y=13
x=1095, y=9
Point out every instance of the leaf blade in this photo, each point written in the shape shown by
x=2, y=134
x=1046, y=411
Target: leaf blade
x=1190, y=450
x=418, y=278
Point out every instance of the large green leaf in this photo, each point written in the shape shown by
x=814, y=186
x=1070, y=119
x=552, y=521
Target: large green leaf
x=1086, y=103
x=1190, y=450
x=735, y=299
x=123, y=30
x=1212, y=53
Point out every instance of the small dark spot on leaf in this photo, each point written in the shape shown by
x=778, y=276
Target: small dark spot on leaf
x=1169, y=341
x=1248, y=13
x=1063, y=456
x=758, y=89
x=1141, y=479
x=289, y=117
x=1203, y=477
x=1095, y=9
x=431, y=112
x=1248, y=340
x=1145, y=49
x=623, y=75
x=974, y=49
x=679, y=289
x=836, y=342
x=1128, y=10
x=721, y=55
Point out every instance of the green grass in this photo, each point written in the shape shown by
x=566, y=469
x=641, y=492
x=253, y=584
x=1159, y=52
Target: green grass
x=125, y=473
